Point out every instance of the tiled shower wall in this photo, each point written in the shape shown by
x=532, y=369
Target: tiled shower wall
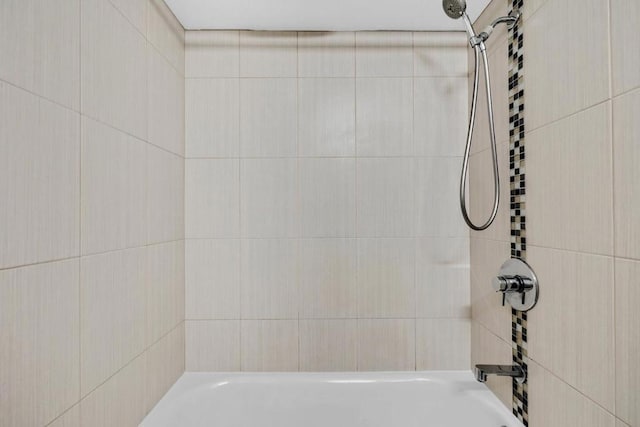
x=322, y=221
x=491, y=323
x=91, y=182
x=582, y=208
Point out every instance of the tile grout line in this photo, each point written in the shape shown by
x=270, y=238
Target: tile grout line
x=240, y=233
x=414, y=198
x=298, y=194
x=95, y=254
x=612, y=135
x=80, y=216
x=336, y=77
x=382, y=157
x=147, y=186
x=130, y=361
x=40, y=96
x=184, y=213
x=590, y=399
x=127, y=133
x=357, y=192
x=568, y=116
x=206, y=319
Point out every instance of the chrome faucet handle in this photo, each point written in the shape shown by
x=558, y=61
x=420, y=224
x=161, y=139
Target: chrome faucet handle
x=512, y=283
x=518, y=284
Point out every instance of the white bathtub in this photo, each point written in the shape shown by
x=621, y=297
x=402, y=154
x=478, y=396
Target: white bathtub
x=425, y=399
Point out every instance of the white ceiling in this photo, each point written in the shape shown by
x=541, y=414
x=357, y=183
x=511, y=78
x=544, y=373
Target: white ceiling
x=319, y=15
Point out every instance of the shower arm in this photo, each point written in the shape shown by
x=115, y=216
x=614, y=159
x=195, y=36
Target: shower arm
x=478, y=40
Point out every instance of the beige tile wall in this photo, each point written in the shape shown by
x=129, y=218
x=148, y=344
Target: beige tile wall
x=321, y=217
x=491, y=323
x=92, y=183
x=582, y=102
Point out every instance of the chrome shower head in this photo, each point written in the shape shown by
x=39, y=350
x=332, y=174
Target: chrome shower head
x=454, y=8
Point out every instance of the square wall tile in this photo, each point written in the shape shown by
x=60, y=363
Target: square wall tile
x=165, y=196
x=165, y=289
x=113, y=314
x=212, y=54
x=439, y=105
x=584, y=79
x=437, y=205
x=554, y=403
x=114, y=69
x=386, y=278
x=565, y=209
x=326, y=54
x=384, y=117
x=626, y=133
x=268, y=54
x=114, y=187
x=384, y=54
x=328, y=345
x=327, y=197
x=212, y=345
x=212, y=118
x=385, y=197
x=440, y=54
x=386, y=345
x=39, y=171
x=269, y=190
x=627, y=336
x=166, y=34
x=166, y=104
x=212, y=280
x=269, y=345
x=327, y=274
x=212, y=199
x=582, y=351
x=625, y=60
x=269, y=286
x=120, y=401
x=443, y=344
x=40, y=329
x=268, y=117
x=442, y=278
x=326, y=117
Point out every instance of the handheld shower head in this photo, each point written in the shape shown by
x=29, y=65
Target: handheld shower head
x=454, y=8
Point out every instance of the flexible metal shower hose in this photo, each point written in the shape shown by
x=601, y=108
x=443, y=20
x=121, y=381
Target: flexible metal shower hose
x=467, y=151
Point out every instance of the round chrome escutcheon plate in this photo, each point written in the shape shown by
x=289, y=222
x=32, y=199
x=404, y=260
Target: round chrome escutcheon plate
x=521, y=301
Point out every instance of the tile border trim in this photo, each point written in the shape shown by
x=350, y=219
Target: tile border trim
x=517, y=166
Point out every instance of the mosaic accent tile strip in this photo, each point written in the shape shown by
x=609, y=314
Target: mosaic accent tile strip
x=517, y=169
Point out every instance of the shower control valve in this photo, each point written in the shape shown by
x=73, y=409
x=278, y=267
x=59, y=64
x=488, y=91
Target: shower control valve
x=518, y=284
